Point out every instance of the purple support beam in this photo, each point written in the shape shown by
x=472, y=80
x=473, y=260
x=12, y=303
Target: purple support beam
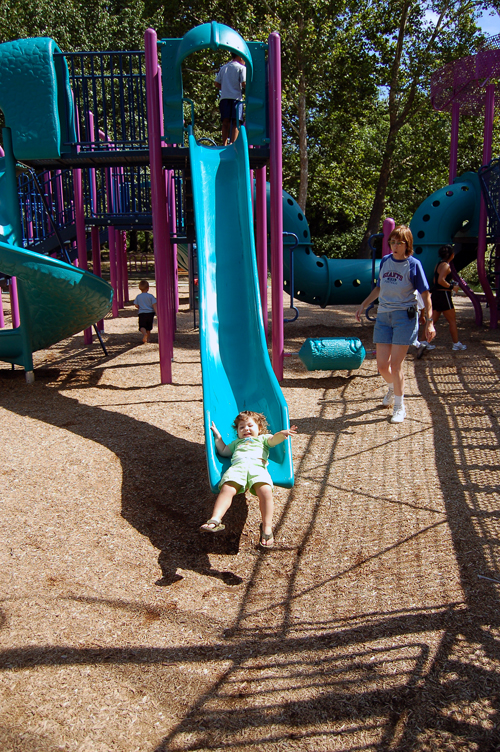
x=276, y=185
x=161, y=229
x=173, y=231
x=455, y=119
x=94, y=233
x=387, y=227
x=126, y=293
x=111, y=232
x=489, y=114
x=112, y=268
x=81, y=237
x=14, y=303
x=169, y=187
x=261, y=238
x=2, y=317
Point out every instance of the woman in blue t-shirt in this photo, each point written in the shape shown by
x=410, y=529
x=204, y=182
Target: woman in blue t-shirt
x=400, y=277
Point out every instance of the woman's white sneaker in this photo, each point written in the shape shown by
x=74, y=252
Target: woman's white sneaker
x=399, y=414
x=458, y=346
x=389, y=398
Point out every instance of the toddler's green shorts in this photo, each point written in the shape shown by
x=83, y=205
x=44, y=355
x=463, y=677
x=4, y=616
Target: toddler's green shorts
x=246, y=476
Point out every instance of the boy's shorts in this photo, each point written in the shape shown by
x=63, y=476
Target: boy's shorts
x=230, y=109
x=246, y=476
x=146, y=321
x=395, y=328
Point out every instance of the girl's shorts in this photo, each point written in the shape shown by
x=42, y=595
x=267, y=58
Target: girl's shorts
x=146, y=321
x=442, y=300
x=395, y=328
x=246, y=476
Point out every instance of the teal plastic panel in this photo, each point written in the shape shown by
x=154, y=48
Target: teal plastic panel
x=35, y=98
x=256, y=97
x=236, y=369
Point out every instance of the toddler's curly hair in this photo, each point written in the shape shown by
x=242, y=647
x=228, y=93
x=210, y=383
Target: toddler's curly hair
x=259, y=418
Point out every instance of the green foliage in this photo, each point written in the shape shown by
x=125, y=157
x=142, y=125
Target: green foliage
x=354, y=72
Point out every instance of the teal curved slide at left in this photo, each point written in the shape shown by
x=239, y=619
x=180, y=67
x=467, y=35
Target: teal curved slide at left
x=56, y=300
x=236, y=369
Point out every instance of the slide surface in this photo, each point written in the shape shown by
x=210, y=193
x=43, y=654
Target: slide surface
x=237, y=372
x=57, y=300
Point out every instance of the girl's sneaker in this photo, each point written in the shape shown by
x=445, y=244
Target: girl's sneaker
x=458, y=346
x=399, y=414
x=389, y=398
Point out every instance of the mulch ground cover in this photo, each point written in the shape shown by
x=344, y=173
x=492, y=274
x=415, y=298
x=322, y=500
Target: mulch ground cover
x=373, y=624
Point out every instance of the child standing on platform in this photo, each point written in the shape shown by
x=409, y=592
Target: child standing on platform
x=146, y=303
x=249, y=458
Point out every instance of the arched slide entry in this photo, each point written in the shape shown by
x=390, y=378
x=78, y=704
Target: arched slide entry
x=214, y=36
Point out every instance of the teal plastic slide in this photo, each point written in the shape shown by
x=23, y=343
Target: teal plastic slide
x=237, y=372
x=56, y=300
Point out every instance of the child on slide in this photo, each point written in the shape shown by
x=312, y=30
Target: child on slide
x=248, y=471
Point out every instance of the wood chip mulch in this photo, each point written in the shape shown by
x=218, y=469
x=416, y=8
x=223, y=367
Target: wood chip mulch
x=373, y=624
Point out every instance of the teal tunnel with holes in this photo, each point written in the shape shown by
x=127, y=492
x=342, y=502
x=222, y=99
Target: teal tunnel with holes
x=449, y=215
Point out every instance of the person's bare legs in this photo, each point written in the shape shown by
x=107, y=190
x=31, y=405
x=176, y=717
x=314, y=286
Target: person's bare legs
x=451, y=318
x=234, y=131
x=222, y=503
x=266, y=503
x=144, y=333
x=390, y=360
x=226, y=126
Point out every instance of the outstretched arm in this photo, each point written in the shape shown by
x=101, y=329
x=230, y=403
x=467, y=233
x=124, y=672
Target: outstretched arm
x=366, y=302
x=219, y=444
x=280, y=436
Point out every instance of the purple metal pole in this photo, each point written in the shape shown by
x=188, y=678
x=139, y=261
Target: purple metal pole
x=276, y=184
x=455, y=119
x=112, y=269
x=81, y=237
x=94, y=233
x=173, y=280
x=489, y=114
x=173, y=230
x=117, y=183
x=111, y=234
x=261, y=238
x=387, y=227
x=126, y=293
x=2, y=317
x=14, y=303
x=161, y=229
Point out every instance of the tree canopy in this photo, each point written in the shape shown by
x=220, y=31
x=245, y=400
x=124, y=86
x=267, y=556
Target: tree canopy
x=361, y=140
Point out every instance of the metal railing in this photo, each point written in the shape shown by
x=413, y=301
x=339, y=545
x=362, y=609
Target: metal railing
x=111, y=85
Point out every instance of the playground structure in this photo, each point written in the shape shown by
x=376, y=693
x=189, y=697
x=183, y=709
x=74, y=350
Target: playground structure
x=107, y=135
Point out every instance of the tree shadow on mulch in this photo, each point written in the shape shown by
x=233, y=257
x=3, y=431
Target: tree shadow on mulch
x=161, y=498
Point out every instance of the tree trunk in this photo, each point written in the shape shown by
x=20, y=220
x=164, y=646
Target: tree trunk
x=378, y=205
x=304, y=160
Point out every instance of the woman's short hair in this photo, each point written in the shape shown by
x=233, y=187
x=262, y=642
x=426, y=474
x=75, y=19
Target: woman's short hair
x=445, y=252
x=402, y=232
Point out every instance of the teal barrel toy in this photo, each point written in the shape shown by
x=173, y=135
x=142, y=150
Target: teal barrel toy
x=332, y=354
